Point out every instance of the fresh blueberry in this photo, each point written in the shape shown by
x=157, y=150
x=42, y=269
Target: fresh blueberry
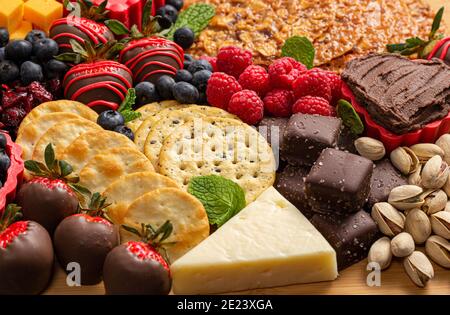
x=18, y=50
x=125, y=131
x=35, y=35
x=198, y=65
x=200, y=79
x=2, y=141
x=183, y=76
x=9, y=71
x=30, y=71
x=45, y=49
x=177, y=4
x=185, y=93
x=4, y=162
x=164, y=87
x=110, y=119
x=167, y=16
x=186, y=64
x=4, y=36
x=188, y=57
x=146, y=93
x=184, y=37
x=2, y=53
x=55, y=69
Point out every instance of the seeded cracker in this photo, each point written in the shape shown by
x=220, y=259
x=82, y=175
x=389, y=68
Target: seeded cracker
x=220, y=146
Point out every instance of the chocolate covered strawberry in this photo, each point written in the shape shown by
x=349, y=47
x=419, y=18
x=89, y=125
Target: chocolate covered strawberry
x=148, y=56
x=26, y=254
x=98, y=82
x=50, y=195
x=82, y=24
x=86, y=238
x=137, y=267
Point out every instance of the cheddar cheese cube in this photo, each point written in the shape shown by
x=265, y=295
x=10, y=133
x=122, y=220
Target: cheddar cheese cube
x=11, y=14
x=20, y=33
x=42, y=13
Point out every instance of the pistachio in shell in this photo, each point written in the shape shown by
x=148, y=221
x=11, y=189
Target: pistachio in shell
x=425, y=151
x=419, y=268
x=370, y=148
x=440, y=224
x=406, y=197
x=435, y=202
x=418, y=225
x=390, y=221
x=444, y=143
x=402, y=245
x=380, y=252
x=405, y=160
x=434, y=173
x=438, y=249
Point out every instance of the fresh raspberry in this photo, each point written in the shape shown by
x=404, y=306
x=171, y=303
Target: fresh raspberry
x=233, y=60
x=212, y=61
x=221, y=88
x=247, y=106
x=284, y=71
x=312, y=83
x=313, y=105
x=279, y=102
x=255, y=78
x=335, y=82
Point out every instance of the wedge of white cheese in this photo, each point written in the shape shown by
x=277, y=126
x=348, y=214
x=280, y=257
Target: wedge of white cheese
x=269, y=243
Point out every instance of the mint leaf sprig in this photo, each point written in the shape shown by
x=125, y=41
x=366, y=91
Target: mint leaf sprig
x=416, y=45
x=301, y=49
x=196, y=17
x=221, y=197
x=126, y=108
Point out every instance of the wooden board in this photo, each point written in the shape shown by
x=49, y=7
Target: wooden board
x=350, y=281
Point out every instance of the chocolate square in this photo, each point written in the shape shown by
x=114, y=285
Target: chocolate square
x=385, y=177
x=350, y=236
x=272, y=129
x=339, y=182
x=307, y=135
x=291, y=184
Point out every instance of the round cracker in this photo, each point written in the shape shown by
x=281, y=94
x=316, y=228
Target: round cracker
x=121, y=193
x=62, y=135
x=214, y=111
x=164, y=124
x=151, y=110
x=91, y=143
x=29, y=135
x=185, y=212
x=219, y=146
x=103, y=169
x=59, y=106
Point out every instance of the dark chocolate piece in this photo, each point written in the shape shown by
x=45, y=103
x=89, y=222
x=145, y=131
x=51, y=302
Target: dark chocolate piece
x=26, y=264
x=306, y=136
x=86, y=241
x=401, y=95
x=291, y=184
x=385, y=177
x=347, y=141
x=339, y=182
x=350, y=236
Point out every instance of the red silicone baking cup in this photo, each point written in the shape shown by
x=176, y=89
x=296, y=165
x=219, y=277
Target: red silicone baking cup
x=429, y=133
x=15, y=172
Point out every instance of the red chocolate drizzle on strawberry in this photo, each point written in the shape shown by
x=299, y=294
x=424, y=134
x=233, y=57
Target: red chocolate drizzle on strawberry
x=89, y=218
x=52, y=184
x=98, y=84
x=79, y=29
x=150, y=58
x=144, y=251
x=11, y=232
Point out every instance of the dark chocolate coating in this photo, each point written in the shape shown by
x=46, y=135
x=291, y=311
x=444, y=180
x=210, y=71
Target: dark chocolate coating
x=339, y=182
x=306, y=136
x=350, y=236
x=26, y=264
x=346, y=141
x=272, y=129
x=126, y=274
x=385, y=177
x=291, y=184
x=87, y=243
x=46, y=206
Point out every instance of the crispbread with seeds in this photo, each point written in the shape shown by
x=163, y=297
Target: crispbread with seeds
x=29, y=135
x=62, y=135
x=150, y=110
x=91, y=143
x=59, y=106
x=122, y=192
x=164, y=124
x=219, y=146
x=184, y=211
x=105, y=168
